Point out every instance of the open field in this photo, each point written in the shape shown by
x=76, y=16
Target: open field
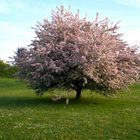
x=25, y=116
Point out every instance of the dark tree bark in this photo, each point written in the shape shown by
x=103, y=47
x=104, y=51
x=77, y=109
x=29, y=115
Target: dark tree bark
x=78, y=93
x=78, y=87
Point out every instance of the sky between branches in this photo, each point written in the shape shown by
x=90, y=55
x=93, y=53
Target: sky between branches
x=18, y=16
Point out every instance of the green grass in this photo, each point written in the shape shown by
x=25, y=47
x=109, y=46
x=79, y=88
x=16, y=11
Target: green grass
x=25, y=116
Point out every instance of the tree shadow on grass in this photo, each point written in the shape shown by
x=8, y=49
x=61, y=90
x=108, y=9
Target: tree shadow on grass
x=17, y=101
x=12, y=101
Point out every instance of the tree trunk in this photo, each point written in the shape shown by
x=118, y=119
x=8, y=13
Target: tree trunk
x=78, y=93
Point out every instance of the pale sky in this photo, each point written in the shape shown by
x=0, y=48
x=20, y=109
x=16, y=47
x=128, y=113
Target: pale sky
x=18, y=16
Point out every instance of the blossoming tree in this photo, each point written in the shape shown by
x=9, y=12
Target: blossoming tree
x=75, y=53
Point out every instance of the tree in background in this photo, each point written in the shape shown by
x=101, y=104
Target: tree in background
x=75, y=53
x=7, y=70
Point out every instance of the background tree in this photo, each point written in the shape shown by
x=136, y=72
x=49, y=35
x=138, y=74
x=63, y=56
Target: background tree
x=75, y=53
x=7, y=70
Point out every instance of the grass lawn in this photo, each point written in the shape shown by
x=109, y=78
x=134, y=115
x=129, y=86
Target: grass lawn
x=25, y=116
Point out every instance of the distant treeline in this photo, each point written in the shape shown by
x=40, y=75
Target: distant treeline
x=7, y=70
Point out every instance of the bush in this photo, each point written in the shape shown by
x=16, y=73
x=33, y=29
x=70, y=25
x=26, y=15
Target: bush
x=7, y=70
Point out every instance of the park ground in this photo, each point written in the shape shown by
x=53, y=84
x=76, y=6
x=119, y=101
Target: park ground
x=25, y=116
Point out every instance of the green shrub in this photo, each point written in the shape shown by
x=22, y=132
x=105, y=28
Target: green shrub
x=7, y=70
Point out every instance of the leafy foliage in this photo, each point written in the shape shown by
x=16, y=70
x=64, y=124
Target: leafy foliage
x=7, y=70
x=75, y=54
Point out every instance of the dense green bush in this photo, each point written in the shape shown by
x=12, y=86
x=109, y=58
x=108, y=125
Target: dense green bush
x=7, y=70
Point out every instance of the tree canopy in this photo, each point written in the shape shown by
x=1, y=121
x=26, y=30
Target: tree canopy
x=75, y=53
x=7, y=70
